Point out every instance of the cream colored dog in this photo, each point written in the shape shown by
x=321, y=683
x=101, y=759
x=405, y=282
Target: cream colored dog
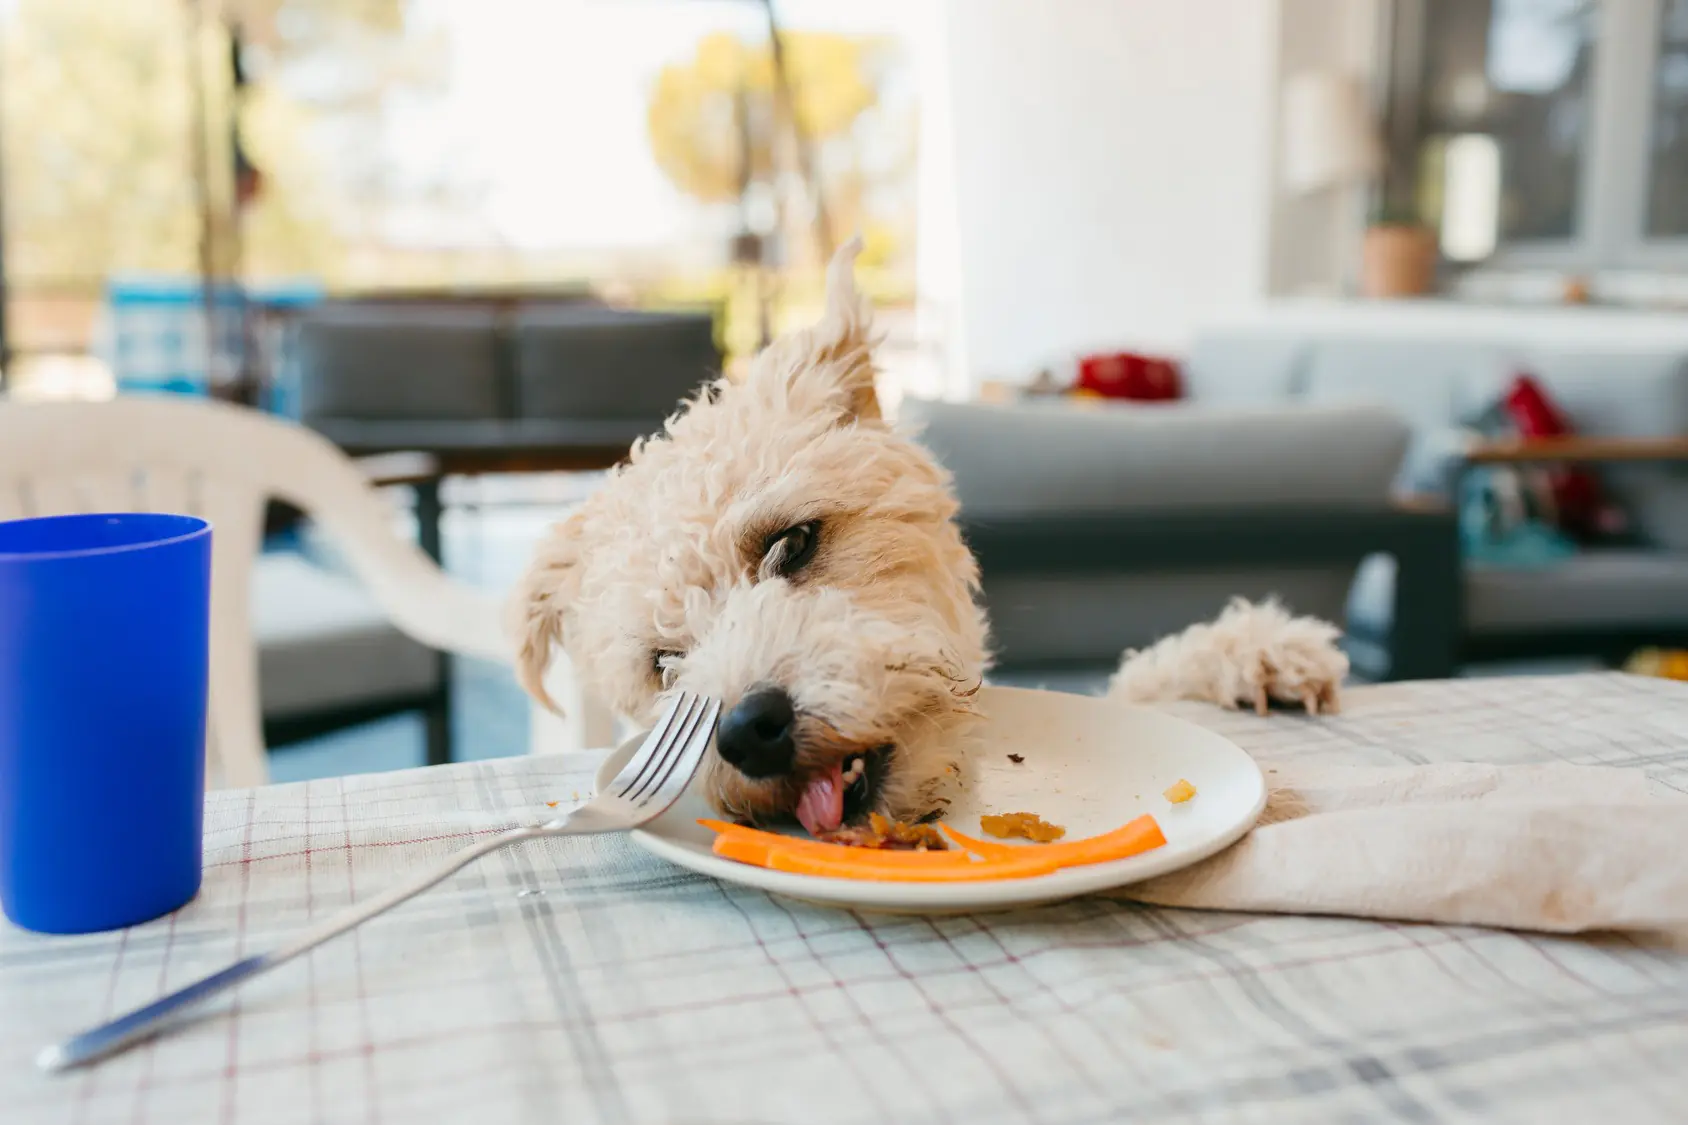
x=784, y=549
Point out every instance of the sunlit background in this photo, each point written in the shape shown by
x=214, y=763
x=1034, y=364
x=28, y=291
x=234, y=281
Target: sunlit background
x=629, y=146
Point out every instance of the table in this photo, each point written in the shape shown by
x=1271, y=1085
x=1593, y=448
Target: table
x=583, y=981
x=423, y=470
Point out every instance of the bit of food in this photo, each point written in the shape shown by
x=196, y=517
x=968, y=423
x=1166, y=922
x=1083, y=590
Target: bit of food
x=1180, y=792
x=1141, y=835
x=1016, y=758
x=884, y=833
x=1027, y=825
x=552, y=804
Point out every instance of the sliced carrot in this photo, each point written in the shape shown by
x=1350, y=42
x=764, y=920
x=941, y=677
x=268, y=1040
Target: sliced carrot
x=1134, y=838
x=751, y=842
x=871, y=865
x=753, y=852
x=990, y=849
x=1141, y=835
x=999, y=861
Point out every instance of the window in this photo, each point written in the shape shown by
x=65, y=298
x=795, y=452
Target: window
x=1543, y=132
x=1667, y=175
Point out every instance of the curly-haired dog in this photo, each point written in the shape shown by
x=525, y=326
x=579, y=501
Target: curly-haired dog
x=784, y=549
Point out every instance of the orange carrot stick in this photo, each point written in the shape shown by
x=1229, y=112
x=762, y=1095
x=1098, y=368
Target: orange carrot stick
x=747, y=841
x=869, y=865
x=1140, y=835
x=990, y=849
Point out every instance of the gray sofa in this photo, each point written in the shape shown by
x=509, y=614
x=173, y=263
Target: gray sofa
x=1106, y=528
x=1624, y=382
x=463, y=379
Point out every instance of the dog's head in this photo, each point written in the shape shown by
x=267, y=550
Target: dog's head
x=782, y=548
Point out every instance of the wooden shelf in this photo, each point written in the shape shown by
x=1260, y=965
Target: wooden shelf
x=1536, y=451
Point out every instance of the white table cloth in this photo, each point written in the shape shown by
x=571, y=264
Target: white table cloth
x=582, y=980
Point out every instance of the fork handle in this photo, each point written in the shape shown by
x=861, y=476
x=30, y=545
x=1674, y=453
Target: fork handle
x=145, y=1022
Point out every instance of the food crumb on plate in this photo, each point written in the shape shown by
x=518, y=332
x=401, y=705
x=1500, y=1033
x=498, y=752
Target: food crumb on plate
x=1027, y=825
x=886, y=834
x=1016, y=758
x=552, y=804
x=1179, y=792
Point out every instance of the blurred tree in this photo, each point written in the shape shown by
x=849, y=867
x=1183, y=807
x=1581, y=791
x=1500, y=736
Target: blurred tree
x=714, y=128
x=98, y=120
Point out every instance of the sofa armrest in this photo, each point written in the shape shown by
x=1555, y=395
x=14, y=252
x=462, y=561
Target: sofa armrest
x=1423, y=539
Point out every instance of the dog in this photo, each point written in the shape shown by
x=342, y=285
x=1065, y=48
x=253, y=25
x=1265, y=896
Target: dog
x=783, y=548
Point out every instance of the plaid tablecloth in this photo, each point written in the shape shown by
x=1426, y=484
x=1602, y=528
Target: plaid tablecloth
x=584, y=981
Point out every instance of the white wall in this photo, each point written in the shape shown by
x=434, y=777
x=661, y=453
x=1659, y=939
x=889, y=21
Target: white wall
x=1112, y=172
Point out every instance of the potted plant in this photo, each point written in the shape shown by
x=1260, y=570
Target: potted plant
x=1398, y=258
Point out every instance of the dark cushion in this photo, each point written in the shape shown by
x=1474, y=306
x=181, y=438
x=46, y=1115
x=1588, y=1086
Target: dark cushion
x=585, y=362
x=399, y=362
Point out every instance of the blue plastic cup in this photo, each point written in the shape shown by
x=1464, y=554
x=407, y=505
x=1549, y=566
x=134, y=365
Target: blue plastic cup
x=104, y=653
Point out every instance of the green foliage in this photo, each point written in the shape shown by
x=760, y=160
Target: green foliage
x=98, y=116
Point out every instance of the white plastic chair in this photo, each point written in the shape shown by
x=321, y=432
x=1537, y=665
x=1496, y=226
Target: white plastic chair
x=222, y=463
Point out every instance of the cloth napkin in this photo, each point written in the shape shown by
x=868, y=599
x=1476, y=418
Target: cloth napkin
x=1555, y=848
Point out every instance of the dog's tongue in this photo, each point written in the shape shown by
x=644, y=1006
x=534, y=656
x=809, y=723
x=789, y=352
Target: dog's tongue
x=821, y=808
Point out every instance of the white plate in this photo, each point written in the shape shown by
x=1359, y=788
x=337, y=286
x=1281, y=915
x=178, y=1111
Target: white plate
x=1090, y=765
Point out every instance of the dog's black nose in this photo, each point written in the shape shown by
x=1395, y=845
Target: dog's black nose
x=756, y=736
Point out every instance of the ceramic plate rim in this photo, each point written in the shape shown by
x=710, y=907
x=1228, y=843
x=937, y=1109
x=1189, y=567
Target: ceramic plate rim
x=869, y=895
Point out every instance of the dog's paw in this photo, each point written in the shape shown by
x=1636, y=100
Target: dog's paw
x=1266, y=655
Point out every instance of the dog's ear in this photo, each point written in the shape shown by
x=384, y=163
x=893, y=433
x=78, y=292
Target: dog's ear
x=829, y=365
x=844, y=334
x=536, y=610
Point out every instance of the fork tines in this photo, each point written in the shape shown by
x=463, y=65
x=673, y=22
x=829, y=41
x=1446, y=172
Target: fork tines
x=670, y=750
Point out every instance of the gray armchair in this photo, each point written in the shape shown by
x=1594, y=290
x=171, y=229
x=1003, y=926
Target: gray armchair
x=1102, y=529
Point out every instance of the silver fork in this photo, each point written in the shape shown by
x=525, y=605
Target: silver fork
x=652, y=780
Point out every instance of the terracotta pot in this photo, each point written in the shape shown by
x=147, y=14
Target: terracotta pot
x=1398, y=261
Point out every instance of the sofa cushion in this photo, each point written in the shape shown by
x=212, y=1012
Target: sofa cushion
x=324, y=644
x=1635, y=392
x=1243, y=367
x=585, y=362
x=1427, y=384
x=1049, y=457
x=1593, y=590
x=393, y=362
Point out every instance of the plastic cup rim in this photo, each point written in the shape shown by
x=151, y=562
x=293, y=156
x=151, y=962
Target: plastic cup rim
x=194, y=527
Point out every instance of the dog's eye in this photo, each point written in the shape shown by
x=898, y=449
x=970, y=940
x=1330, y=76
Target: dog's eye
x=663, y=661
x=790, y=550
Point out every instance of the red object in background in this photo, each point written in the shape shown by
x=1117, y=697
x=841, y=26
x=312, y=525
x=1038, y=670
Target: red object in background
x=1140, y=378
x=1582, y=509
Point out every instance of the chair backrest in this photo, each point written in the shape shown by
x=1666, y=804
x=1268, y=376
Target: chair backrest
x=222, y=463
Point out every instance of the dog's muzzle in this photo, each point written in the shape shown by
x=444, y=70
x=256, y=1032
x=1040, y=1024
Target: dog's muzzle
x=759, y=738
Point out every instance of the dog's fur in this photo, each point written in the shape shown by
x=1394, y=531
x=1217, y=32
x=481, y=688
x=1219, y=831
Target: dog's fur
x=669, y=578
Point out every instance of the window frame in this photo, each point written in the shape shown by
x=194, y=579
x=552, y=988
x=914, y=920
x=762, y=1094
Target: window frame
x=1613, y=190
